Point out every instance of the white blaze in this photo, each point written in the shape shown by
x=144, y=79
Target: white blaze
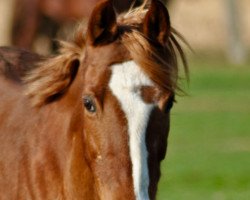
x=126, y=81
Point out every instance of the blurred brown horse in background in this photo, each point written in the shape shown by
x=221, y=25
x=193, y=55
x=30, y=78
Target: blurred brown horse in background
x=47, y=17
x=91, y=122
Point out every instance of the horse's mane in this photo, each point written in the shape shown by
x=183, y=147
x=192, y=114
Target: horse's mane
x=161, y=68
x=53, y=75
x=15, y=63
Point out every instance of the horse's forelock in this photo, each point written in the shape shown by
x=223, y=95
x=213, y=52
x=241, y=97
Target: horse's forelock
x=161, y=67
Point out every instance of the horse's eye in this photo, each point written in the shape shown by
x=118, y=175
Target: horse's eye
x=89, y=104
x=169, y=104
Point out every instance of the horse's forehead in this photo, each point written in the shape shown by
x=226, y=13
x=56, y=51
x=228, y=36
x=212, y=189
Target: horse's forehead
x=107, y=54
x=124, y=77
x=98, y=64
x=128, y=75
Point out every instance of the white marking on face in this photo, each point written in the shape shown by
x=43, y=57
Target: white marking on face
x=125, y=83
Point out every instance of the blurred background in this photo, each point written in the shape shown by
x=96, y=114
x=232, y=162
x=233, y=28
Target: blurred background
x=209, y=145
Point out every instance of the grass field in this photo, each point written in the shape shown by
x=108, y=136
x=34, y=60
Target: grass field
x=209, y=146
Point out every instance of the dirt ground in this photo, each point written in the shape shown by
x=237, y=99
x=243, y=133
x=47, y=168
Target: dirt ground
x=204, y=23
x=5, y=21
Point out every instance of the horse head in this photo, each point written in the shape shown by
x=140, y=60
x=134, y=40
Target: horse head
x=122, y=77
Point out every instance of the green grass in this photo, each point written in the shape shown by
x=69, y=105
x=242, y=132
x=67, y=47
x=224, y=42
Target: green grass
x=209, y=145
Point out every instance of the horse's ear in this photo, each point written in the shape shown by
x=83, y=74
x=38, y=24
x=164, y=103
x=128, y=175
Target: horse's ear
x=156, y=24
x=102, y=27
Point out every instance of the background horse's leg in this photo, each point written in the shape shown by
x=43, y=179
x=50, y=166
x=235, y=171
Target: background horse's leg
x=25, y=22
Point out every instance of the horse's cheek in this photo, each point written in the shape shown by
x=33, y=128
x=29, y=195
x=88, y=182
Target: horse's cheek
x=91, y=141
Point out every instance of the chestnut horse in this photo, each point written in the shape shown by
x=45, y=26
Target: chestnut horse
x=91, y=122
